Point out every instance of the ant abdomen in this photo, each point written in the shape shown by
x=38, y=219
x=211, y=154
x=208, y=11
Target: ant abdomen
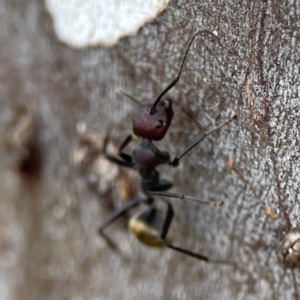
x=147, y=225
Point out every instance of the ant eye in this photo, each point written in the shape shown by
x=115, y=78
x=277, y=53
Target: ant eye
x=158, y=124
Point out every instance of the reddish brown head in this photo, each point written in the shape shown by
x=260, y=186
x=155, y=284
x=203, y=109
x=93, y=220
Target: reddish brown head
x=153, y=122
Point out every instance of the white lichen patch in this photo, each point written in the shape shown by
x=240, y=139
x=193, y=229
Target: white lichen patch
x=84, y=23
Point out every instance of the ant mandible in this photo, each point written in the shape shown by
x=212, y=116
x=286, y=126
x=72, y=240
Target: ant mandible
x=151, y=122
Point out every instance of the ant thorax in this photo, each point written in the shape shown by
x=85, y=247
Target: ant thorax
x=146, y=158
x=146, y=155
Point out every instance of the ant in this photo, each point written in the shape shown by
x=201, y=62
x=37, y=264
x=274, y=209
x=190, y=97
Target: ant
x=151, y=122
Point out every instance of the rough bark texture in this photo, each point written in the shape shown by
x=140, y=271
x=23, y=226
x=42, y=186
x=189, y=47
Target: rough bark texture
x=50, y=213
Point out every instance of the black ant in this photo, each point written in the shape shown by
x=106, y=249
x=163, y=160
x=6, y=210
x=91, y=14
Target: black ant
x=151, y=122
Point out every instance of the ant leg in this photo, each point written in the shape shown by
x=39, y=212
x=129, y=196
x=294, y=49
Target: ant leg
x=198, y=140
x=126, y=162
x=167, y=222
x=118, y=161
x=161, y=186
x=182, y=63
x=113, y=217
x=188, y=252
x=186, y=198
x=125, y=156
x=165, y=229
x=164, y=232
x=163, y=155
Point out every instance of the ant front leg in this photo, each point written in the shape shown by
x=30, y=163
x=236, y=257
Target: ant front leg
x=196, y=141
x=127, y=159
x=125, y=156
x=164, y=232
x=164, y=156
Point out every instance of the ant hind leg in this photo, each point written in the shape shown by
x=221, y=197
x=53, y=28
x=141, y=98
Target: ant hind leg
x=162, y=185
x=164, y=232
x=113, y=217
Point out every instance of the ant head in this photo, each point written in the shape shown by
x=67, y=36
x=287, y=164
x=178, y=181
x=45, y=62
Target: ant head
x=146, y=226
x=152, y=122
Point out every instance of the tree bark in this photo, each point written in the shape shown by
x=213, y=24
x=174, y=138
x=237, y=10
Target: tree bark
x=50, y=211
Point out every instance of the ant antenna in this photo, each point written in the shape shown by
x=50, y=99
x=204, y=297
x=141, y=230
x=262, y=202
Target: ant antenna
x=130, y=97
x=182, y=63
x=187, y=198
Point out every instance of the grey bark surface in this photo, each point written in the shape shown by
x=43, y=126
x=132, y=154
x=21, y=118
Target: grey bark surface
x=49, y=246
